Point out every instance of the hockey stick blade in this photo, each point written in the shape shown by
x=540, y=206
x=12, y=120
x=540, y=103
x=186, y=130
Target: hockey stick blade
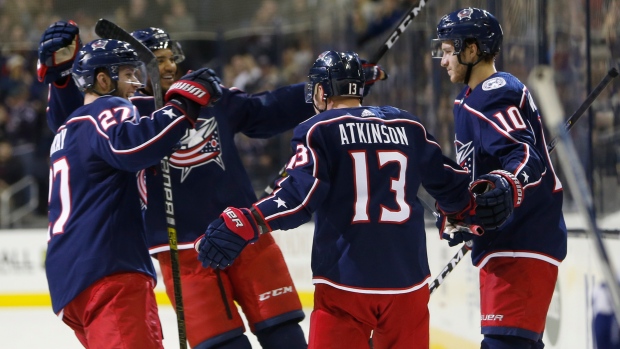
x=542, y=81
x=109, y=30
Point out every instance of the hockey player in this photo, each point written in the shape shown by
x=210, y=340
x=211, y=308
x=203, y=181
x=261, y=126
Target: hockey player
x=358, y=169
x=498, y=133
x=99, y=272
x=208, y=163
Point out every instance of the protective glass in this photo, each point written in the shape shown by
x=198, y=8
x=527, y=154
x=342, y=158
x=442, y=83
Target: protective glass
x=133, y=74
x=436, y=51
x=309, y=91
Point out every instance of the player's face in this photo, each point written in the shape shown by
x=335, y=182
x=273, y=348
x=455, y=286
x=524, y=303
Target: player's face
x=450, y=61
x=129, y=81
x=167, y=67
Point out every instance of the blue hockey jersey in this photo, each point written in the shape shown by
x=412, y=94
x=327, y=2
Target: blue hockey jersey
x=359, y=169
x=95, y=223
x=207, y=174
x=498, y=126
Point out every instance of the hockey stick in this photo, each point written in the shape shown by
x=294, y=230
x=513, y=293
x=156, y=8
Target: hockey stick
x=386, y=46
x=611, y=74
x=109, y=30
x=541, y=78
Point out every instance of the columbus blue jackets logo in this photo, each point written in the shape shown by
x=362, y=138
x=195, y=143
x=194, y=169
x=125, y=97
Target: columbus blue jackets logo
x=465, y=13
x=199, y=147
x=465, y=156
x=493, y=83
x=99, y=44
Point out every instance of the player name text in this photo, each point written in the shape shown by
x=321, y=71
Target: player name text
x=367, y=132
x=59, y=141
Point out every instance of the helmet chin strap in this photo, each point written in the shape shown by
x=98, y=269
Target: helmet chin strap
x=317, y=107
x=470, y=66
x=111, y=93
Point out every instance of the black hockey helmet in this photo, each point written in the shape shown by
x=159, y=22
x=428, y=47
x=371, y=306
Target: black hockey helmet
x=469, y=23
x=105, y=54
x=157, y=39
x=339, y=73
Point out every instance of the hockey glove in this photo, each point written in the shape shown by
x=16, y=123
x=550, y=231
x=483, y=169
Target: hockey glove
x=372, y=74
x=194, y=90
x=58, y=47
x=497, y=194
x=458, y=227
x=226, y=237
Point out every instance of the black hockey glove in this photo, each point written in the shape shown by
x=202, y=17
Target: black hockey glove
x=226, y=237
x=497, y=194
x=194, y=90
x=58, y=47
x=372, y=74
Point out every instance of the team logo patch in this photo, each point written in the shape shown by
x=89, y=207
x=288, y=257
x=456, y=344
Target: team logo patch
x=99, y=44
x=199, y=147
x=493, y=84
x=465, y=13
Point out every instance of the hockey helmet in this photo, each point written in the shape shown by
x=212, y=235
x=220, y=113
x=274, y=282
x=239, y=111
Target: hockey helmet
x=339, y=73
x=108, y=55
x=469, y=23
x=157, y=39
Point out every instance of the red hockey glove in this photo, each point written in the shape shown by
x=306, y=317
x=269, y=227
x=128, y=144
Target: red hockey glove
x=226, y=237
x=497, y=194
x=58, y=47
x=458, y=227
x=194, y=90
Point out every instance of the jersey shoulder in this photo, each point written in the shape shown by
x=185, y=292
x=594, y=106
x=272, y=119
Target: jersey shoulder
x=500, y=88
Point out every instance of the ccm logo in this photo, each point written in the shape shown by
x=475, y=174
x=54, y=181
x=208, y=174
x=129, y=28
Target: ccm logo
x=492, y=317
x=275, y=293
x=233, y=216
x=196, y=91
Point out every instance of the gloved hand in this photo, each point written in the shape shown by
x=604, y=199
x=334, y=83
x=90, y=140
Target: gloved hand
x=194, y=90
x=372, y=74
x=456, y=230
x=497, y=194
x=58, y=47
x=226, y=237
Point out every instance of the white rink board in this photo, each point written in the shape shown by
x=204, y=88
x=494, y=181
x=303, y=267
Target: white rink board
x=454, y=306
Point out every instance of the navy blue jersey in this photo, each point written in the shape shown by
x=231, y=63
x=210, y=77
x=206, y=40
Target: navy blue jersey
x=359, y=169
x=95, y=223
x=498, y=126
x=206, y=171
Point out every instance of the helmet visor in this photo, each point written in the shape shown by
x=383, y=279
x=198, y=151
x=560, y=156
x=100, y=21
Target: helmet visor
x=133, y=74
x=436, y=51
x=309, y=91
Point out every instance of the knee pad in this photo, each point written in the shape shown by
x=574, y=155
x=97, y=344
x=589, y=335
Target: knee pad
x=288, y=335
x=506, y=342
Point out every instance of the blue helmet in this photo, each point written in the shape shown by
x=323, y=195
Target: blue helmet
x=104, y=54
x=339, y=73
x=157, y=39
x=470, y=23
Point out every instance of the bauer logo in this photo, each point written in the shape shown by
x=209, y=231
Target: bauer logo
x=274, y=293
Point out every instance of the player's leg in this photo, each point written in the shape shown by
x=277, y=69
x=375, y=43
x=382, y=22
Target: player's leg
x=515, y=294
x=403, y=321
x=340, y=319
x=206, y=317
x=264, y=289
x=118, y=311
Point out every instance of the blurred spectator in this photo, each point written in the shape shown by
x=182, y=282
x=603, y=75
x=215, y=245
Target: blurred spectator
x=11, y=169
x=179, y=19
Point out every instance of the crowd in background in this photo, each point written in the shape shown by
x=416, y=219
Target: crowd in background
x=263, y=44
